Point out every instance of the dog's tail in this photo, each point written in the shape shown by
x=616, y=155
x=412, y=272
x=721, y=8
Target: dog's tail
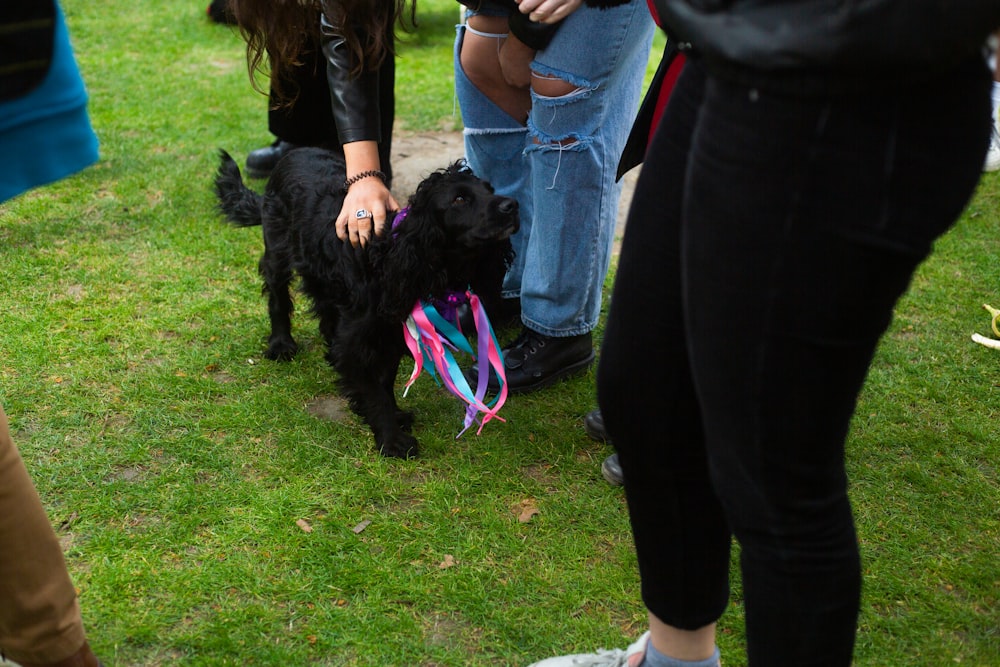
x=238, y=203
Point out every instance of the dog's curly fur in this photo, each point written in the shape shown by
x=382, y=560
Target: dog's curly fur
x=456, y=235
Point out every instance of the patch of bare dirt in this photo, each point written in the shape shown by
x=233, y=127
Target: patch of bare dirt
x=331, y=408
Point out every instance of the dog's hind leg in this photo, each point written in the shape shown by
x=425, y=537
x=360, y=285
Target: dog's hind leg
x=277, y=284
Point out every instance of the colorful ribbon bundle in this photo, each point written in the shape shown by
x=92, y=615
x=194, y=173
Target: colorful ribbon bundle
x=431, y=339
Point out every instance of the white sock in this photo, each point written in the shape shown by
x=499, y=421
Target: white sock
x=656, y=659
x=996, y=101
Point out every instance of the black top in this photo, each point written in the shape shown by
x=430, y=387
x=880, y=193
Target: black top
x=830, y=45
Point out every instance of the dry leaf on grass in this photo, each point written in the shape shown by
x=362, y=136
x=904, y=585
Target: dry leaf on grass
x=361, y=526
x=304, y=525
x=526, y=510
x=449, y=561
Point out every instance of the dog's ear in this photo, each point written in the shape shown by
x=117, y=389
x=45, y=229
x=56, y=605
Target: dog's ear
x=411, y=264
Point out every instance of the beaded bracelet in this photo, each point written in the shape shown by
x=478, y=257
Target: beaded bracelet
x=365, y=174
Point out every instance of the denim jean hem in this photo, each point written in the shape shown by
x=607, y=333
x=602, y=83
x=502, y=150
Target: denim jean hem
x=556, y=333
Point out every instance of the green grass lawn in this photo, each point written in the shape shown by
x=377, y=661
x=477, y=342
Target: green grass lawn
x=213, y=514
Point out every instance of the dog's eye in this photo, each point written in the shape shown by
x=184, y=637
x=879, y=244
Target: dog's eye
x=458, y=200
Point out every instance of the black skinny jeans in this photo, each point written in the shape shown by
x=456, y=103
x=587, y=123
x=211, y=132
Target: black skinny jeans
x=768, y=241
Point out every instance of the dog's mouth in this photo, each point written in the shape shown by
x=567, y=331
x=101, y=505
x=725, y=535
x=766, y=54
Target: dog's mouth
x=498, y=231
x=506, y=214
x=508, y=230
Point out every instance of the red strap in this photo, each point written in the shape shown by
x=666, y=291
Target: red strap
x=669, y=81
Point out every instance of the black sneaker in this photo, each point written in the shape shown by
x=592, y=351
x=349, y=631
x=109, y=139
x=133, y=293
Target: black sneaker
x=612, y=471
x=593, y=424
x=535, y=361
x=261, y=161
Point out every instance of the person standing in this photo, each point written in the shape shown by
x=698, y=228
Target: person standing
x=547, y=108
x=795, y=165
x=45, y=135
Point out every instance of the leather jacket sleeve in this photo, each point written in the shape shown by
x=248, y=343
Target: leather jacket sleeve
x=354, y=99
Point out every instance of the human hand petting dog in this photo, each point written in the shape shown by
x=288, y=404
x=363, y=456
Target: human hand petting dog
x=368, y=201
x=365, y=211
x=548, y=11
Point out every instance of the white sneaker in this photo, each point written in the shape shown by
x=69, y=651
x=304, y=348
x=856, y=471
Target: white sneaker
x=630, y=657
x=992, y=162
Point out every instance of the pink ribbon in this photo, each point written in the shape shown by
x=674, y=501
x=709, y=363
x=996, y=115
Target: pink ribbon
x=430, y=337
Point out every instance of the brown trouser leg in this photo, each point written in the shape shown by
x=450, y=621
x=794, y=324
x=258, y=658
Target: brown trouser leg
x=39, y=614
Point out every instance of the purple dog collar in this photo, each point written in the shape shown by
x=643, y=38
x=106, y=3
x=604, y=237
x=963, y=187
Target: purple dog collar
x=400, y=216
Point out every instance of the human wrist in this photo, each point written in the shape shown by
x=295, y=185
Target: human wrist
x=362, y=175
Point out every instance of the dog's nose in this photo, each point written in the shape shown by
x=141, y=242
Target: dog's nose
x=508, y=206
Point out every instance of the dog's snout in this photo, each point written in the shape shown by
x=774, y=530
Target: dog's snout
x=508, y=216
x=508, y=206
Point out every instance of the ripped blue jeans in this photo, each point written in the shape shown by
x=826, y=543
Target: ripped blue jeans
x=561, y=167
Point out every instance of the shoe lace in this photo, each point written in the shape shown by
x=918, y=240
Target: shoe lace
x=530, y=341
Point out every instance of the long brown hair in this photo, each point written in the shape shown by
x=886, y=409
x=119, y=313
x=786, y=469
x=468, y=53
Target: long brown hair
x=279, y=32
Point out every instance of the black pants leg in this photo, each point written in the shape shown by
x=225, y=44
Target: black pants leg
x=760, y=267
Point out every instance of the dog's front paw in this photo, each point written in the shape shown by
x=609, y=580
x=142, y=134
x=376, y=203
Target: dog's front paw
x=403, y=446
x=281, y=349
x=405, y=420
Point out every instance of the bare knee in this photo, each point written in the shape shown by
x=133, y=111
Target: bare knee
x=552, y=93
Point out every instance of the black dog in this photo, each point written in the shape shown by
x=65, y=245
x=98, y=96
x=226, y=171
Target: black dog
x=455, y=236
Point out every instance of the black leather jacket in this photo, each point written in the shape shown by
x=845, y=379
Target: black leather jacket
x=830, y=44
x=355, y=100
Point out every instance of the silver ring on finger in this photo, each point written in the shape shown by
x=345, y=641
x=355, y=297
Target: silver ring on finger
x=363, y=213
